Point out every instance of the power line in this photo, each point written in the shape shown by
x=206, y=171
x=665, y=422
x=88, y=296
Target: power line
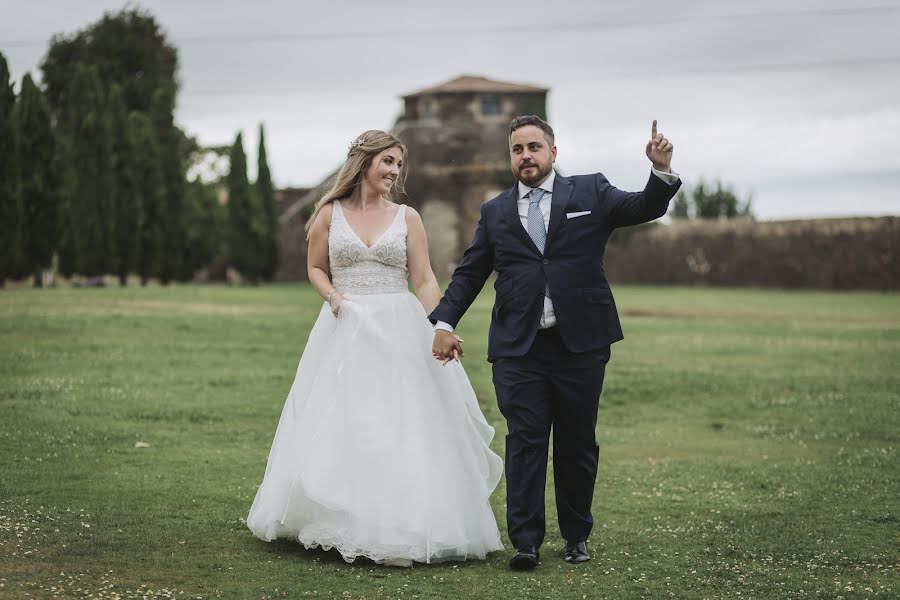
x=850, y=63
x=841, y=63
x=665, y=21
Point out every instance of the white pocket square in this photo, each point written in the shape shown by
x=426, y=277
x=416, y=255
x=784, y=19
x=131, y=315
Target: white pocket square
x=577, y=214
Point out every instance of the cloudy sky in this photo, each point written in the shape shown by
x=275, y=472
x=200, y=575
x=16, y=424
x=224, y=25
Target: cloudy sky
x=792, y=101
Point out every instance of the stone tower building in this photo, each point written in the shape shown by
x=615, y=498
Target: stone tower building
x=457, y=135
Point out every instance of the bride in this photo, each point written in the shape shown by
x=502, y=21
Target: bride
x=381, y=451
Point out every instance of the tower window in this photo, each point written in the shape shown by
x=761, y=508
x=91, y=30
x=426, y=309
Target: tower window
x=490, y=105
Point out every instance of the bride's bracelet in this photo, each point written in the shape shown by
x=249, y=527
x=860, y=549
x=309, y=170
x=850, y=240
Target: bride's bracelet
x=330, y=294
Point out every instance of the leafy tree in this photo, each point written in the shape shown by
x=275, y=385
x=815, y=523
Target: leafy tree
x=681, y=206
x=202, y=220
x=206, y=219
x=704, y=203
x=269, y=216
x=38, y=177
x=127, y=48
x=10, y=209
x=210, y=163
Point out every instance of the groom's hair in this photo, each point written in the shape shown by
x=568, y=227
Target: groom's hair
x=535, y=120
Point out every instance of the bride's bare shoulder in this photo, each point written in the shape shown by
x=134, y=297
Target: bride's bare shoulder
x=411, y=215
x=326, y=213
x=322, y=220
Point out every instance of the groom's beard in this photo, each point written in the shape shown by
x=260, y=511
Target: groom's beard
x=534, y=176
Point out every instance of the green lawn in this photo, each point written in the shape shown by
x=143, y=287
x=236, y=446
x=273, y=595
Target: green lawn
x=748, y=440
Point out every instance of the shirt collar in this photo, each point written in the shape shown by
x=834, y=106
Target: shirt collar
x=547, y=186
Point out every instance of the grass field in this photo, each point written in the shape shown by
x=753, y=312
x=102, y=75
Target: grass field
x=749, y=449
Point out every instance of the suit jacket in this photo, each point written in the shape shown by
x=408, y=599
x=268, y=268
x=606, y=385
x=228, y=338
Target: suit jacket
x=571, y=265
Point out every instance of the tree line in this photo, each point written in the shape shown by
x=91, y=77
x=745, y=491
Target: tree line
x=94, y=170
x=706, y=202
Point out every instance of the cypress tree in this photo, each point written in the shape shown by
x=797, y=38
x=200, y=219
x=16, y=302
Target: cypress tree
x=266, y=196
x=36, y=149
x=149, y=189
x=125, y=187
x=127, y=48
x=242, y=247
x=68, y=119
x=67, y=175
x=173, y=173
x=89, y=144
x=10, y=209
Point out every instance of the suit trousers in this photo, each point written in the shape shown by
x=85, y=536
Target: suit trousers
x=550, y=389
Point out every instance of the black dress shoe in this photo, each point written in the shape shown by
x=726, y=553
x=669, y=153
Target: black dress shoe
x=525, y=559
x=576, y=552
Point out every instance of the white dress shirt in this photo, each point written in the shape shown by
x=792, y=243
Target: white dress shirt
x=548, y=317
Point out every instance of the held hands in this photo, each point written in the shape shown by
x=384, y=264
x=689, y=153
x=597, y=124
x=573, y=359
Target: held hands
x=659, y=150
x=447, y=346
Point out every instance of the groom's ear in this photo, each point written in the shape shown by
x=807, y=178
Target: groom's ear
x=553, y=152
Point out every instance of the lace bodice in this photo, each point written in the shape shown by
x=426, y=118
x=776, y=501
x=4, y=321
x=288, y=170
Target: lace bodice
x=360, y=269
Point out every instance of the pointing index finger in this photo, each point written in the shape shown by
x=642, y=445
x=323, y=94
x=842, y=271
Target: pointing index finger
x=653, y=130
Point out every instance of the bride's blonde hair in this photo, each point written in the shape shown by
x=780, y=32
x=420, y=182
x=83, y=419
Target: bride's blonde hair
x=362, y=150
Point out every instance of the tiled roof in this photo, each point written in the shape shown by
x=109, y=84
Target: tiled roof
x=472, y=83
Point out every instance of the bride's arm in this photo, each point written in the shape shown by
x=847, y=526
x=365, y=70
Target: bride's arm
x=420, y=273
x=317, y=258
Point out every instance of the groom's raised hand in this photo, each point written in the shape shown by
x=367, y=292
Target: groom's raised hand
x=659, y=150
x=447, y=346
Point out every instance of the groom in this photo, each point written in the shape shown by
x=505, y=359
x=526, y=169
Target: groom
x=553, y=321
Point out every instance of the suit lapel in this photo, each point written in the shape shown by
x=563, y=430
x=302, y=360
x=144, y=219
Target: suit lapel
x=511, y=214
x=562, y=191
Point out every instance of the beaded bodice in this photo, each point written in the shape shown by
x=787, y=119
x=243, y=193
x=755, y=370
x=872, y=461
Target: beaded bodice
x=359, y=269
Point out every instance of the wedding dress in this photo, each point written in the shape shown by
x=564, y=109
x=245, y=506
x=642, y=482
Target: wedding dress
x=381, y=451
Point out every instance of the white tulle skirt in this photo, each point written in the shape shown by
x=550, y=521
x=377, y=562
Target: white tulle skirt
x=381, y=451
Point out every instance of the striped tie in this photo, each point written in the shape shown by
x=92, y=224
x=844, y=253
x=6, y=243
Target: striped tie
x=536, y=223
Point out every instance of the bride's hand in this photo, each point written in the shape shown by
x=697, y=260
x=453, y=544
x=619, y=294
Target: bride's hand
x=335, y=303
x=447, y=346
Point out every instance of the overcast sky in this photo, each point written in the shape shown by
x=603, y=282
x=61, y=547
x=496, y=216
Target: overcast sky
x=794, y=101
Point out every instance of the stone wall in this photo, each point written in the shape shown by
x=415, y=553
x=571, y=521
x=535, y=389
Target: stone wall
x=861, y=253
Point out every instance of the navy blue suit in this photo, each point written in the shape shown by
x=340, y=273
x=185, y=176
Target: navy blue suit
x=550, y=378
